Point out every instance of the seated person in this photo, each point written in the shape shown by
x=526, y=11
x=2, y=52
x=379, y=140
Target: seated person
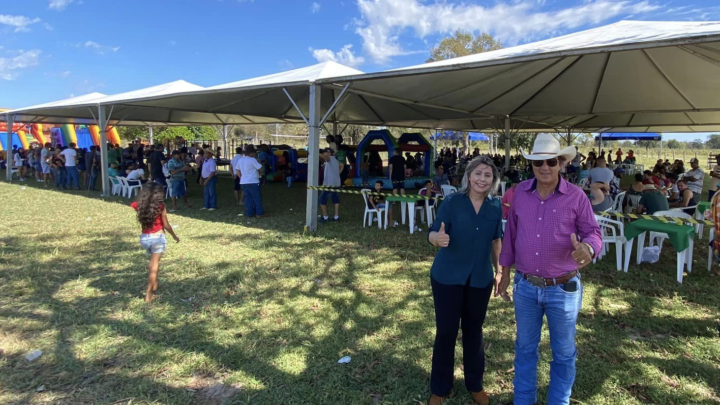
x=113, y=170
x=429, y=191
x=377, y=202
x=687, y=198
x=648, y=178
x=136, y=173
x=637, y=187
x=652, y=201
x=584, y=172
x=600, y=196
x=441, y=178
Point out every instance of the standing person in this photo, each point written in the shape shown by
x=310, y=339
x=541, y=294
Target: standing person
x=694, y=177
x=44, y=162
x=177, y=169
x=58, y=167
x=209, y=171
x=37, y=152
x=249, y=171
x=462, y=282
x=18, y=164
x=509, y=197
x=264, y=157
x=92, y=165
x=199, y=160
x=331, y=178
x=619, y=155
x=715, y=174
x=551, y=234
x=152, y=216
x=396, y=167
x=236, y=179
x=157, y=159
x=69, y=157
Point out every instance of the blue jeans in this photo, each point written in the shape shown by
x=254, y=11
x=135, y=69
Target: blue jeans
x=59, y=174
x=73, y=176
x=211, y=193
x=253, y=200
x=91, y=178
x=561, y=308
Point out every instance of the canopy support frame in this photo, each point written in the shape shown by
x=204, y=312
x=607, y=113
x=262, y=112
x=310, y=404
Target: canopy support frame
x=296, y=106
x=104, y=175
x=10, y=120
x=313, y=155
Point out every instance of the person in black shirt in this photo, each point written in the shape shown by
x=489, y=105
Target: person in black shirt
x=156, y=162
x=396, y=167
x=512, y=174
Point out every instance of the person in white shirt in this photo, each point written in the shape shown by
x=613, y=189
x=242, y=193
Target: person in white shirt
x=69, y=155
x=18, y=164
x=209, y=171
x=694, y=177
x=249, y=170
x=233, y=162
x=136, y=173
x=44, y=157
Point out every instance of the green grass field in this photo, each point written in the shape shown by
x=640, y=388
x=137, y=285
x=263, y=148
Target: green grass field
x=256, y=312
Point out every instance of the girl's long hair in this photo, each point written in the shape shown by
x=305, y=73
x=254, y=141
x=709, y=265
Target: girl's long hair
x=480, y=160
x=150, y=200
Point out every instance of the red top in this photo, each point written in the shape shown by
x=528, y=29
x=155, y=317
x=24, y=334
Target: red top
x=157, y=225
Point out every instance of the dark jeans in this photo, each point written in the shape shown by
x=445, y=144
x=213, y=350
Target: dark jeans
x=59, y=174
x=454, y=303
x=253, y=200
x=91, y=178
x=73, y=177
x=211, y=193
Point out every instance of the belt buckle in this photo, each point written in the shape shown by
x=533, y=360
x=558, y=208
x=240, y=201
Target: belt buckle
x=536, y=281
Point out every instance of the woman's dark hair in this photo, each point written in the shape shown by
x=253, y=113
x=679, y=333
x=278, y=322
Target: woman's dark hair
x=380, y=182
x=638, y=177
x=149, y=201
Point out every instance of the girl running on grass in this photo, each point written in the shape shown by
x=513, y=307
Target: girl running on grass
x=151, y=214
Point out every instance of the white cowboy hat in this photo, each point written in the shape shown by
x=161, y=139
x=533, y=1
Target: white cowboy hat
x=547, y=147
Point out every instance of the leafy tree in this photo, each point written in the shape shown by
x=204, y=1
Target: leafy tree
x=205, y=133
x=697, y=144
x=674, y=144
x=132, y=133
x=463, y=43
x=713, y=141
x=172, y=133
x=648, y=144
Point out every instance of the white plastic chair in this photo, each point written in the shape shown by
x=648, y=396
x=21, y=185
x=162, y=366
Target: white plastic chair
x=422, y=210
x=612, y=231
x=617, y=203
x=503, y=185
x=696, y=215
x=117, y=187
x=633, y=203
x=369, y=212
x=583, y=183
x=684, y=257
x=447, y=190
x=132, y=187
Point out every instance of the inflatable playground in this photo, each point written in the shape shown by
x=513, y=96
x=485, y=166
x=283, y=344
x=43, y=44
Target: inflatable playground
x=380, y=142
x=283, y=154
x=84, y=136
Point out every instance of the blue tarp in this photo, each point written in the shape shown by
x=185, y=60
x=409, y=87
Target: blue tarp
x=458, y=136
x=623, y=136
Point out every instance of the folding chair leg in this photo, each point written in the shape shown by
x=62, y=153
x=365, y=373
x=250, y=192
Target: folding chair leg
x=618, y=254
x=680, y=266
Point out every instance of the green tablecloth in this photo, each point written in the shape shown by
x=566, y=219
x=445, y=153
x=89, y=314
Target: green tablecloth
x=401, y=198
x=678, y=234
x=703, y=206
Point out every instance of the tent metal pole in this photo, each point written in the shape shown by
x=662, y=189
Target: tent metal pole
x=313, y=157
x=102, y=122
x=150, y=134
x=337, y=102
x=507, y=143
x=225, y=139
x=296, y=106
x=9, y=119
x=660, y=154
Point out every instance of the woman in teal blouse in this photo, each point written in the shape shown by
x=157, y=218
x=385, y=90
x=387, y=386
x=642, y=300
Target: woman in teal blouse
x=468, y=231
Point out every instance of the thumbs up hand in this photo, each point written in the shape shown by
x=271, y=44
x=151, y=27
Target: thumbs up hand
x=442, y=239
x=581, y=253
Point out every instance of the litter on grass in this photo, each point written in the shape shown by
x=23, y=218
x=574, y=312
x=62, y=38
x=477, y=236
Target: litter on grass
x=33, y=355
x=344, y=360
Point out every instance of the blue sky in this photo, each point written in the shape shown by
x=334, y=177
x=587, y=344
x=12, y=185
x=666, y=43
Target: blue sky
x=53, y=49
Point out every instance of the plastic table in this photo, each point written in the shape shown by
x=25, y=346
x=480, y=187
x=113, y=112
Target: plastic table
x=406, y=203
x=681, y=237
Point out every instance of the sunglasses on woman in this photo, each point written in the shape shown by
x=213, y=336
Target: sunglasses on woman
x=550, y=162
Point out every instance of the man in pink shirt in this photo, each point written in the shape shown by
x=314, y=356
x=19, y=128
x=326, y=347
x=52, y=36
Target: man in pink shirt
x=550, y=235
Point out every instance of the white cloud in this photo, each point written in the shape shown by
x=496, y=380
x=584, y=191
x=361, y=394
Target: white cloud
x=100, y=48
x=383, y=21
x=60, y=5
x=344, y=56
x=19, y=22
x=315, y=7
x=10, y=66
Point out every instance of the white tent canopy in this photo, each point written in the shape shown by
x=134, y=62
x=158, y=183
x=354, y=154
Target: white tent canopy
x=631, y=76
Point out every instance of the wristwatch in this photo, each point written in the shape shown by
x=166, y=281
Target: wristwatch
x=592, y=251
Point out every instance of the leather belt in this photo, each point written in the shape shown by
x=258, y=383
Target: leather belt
x=547, y=282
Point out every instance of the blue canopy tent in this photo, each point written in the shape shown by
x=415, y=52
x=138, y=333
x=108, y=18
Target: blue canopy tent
x=458, y=136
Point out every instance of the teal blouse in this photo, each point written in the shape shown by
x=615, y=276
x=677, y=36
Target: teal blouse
x=471, y=236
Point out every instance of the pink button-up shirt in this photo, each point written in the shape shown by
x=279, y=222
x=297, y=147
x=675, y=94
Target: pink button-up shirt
x=537, y=235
